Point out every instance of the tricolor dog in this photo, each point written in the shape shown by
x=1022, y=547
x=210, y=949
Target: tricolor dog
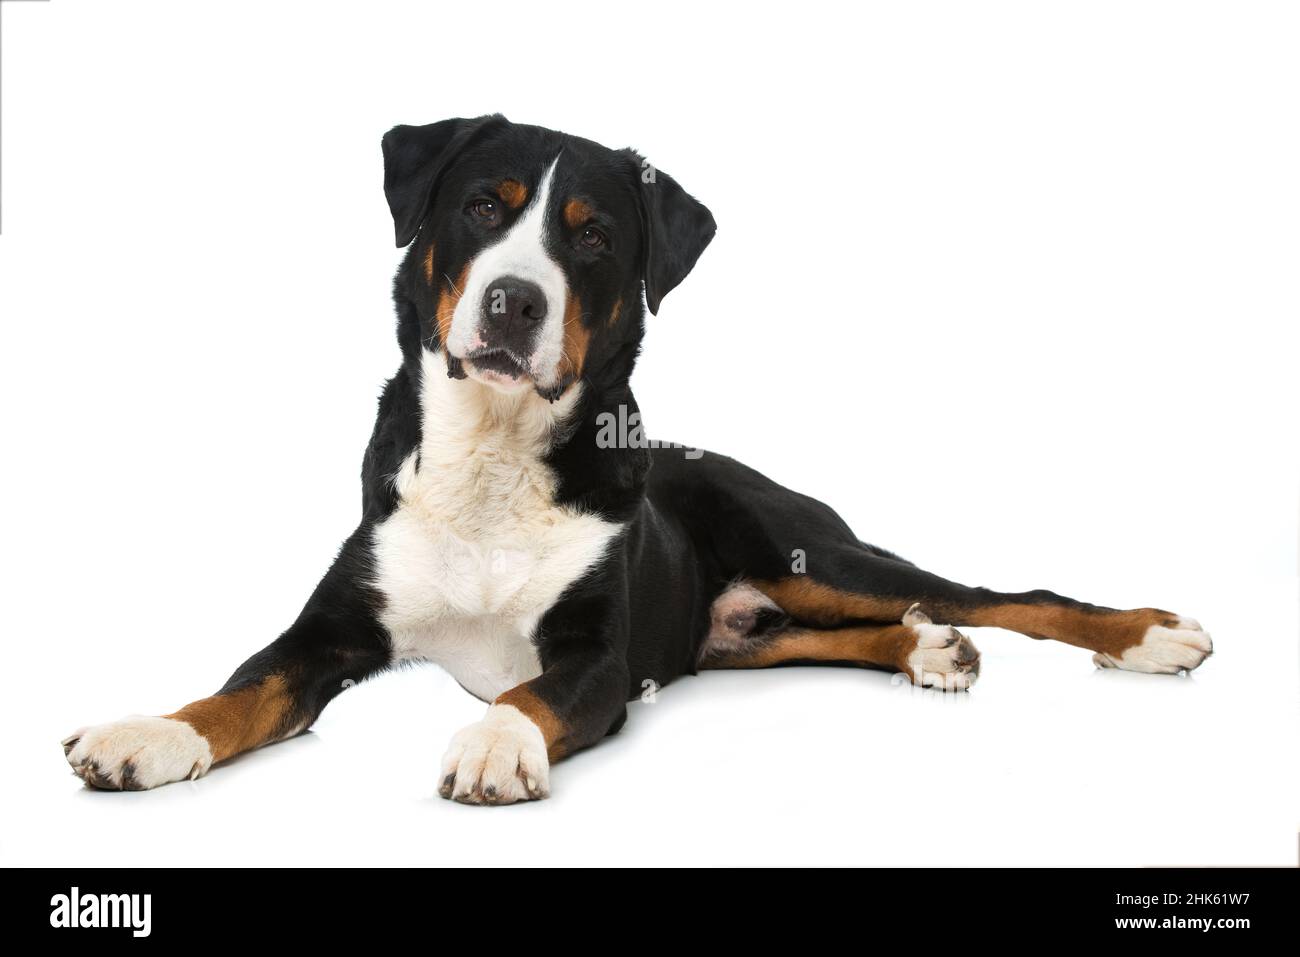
x=551, y=573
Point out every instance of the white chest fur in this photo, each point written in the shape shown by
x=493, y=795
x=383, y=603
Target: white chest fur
x=476, y=551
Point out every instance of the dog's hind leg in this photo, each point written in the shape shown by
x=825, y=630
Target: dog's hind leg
x=848, y=585
x=749, y=630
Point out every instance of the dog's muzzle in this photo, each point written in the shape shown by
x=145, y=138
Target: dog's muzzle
x=510, y=320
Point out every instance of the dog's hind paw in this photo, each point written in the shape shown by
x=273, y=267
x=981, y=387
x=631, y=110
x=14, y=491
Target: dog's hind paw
x=943, y=657
x=1180, y=644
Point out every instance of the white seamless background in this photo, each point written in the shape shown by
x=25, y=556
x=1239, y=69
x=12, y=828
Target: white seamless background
x=1010, y=285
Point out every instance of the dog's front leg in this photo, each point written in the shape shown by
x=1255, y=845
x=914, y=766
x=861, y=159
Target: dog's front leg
x=278, y=692
x=580, y=696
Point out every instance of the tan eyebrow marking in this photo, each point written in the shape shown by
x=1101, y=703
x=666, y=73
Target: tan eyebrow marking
x=428, y=265
x=512, y=192
x=576, y=212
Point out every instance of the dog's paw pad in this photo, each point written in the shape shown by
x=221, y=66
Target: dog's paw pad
x=499, y=760
x=137, y=753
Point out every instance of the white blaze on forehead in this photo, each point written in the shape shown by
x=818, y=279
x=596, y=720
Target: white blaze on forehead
x=522, y=253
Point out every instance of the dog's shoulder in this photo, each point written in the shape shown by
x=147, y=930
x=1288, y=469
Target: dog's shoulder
x=395, y=436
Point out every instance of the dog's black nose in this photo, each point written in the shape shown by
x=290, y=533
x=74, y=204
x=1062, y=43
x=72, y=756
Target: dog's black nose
x=513, y=310
x=512, y=301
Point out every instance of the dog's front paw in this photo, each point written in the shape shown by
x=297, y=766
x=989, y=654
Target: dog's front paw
x=499, y=760
x=137, y=753
x=1176, y=644
x=943, y=658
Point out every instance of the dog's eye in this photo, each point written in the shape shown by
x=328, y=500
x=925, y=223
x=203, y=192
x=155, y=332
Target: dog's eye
x=484, y=209
x=592, y=238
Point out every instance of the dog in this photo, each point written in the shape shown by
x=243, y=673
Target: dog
x=553, y=566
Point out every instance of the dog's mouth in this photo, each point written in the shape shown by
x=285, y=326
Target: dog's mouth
x=498, y=365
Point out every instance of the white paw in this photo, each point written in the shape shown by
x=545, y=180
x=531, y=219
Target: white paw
x=944, y=658
x=137, y=753
x=499, y=760
x=1164, y=650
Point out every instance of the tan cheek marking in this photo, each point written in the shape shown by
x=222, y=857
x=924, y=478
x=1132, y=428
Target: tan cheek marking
x=577, y=338
x=613, y=316
x=447, y=303
x=240, y=720
x=576, y=212
x=536, y=710
x=513, y=193
x=428, y=265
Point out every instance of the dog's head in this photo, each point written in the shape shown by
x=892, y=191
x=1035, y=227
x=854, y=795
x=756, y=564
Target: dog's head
x=529, y=247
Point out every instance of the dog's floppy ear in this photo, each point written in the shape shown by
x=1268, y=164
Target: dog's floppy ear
x=675, y=228
x=414, y=159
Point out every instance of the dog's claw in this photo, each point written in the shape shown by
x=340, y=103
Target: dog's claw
x=915, y=616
